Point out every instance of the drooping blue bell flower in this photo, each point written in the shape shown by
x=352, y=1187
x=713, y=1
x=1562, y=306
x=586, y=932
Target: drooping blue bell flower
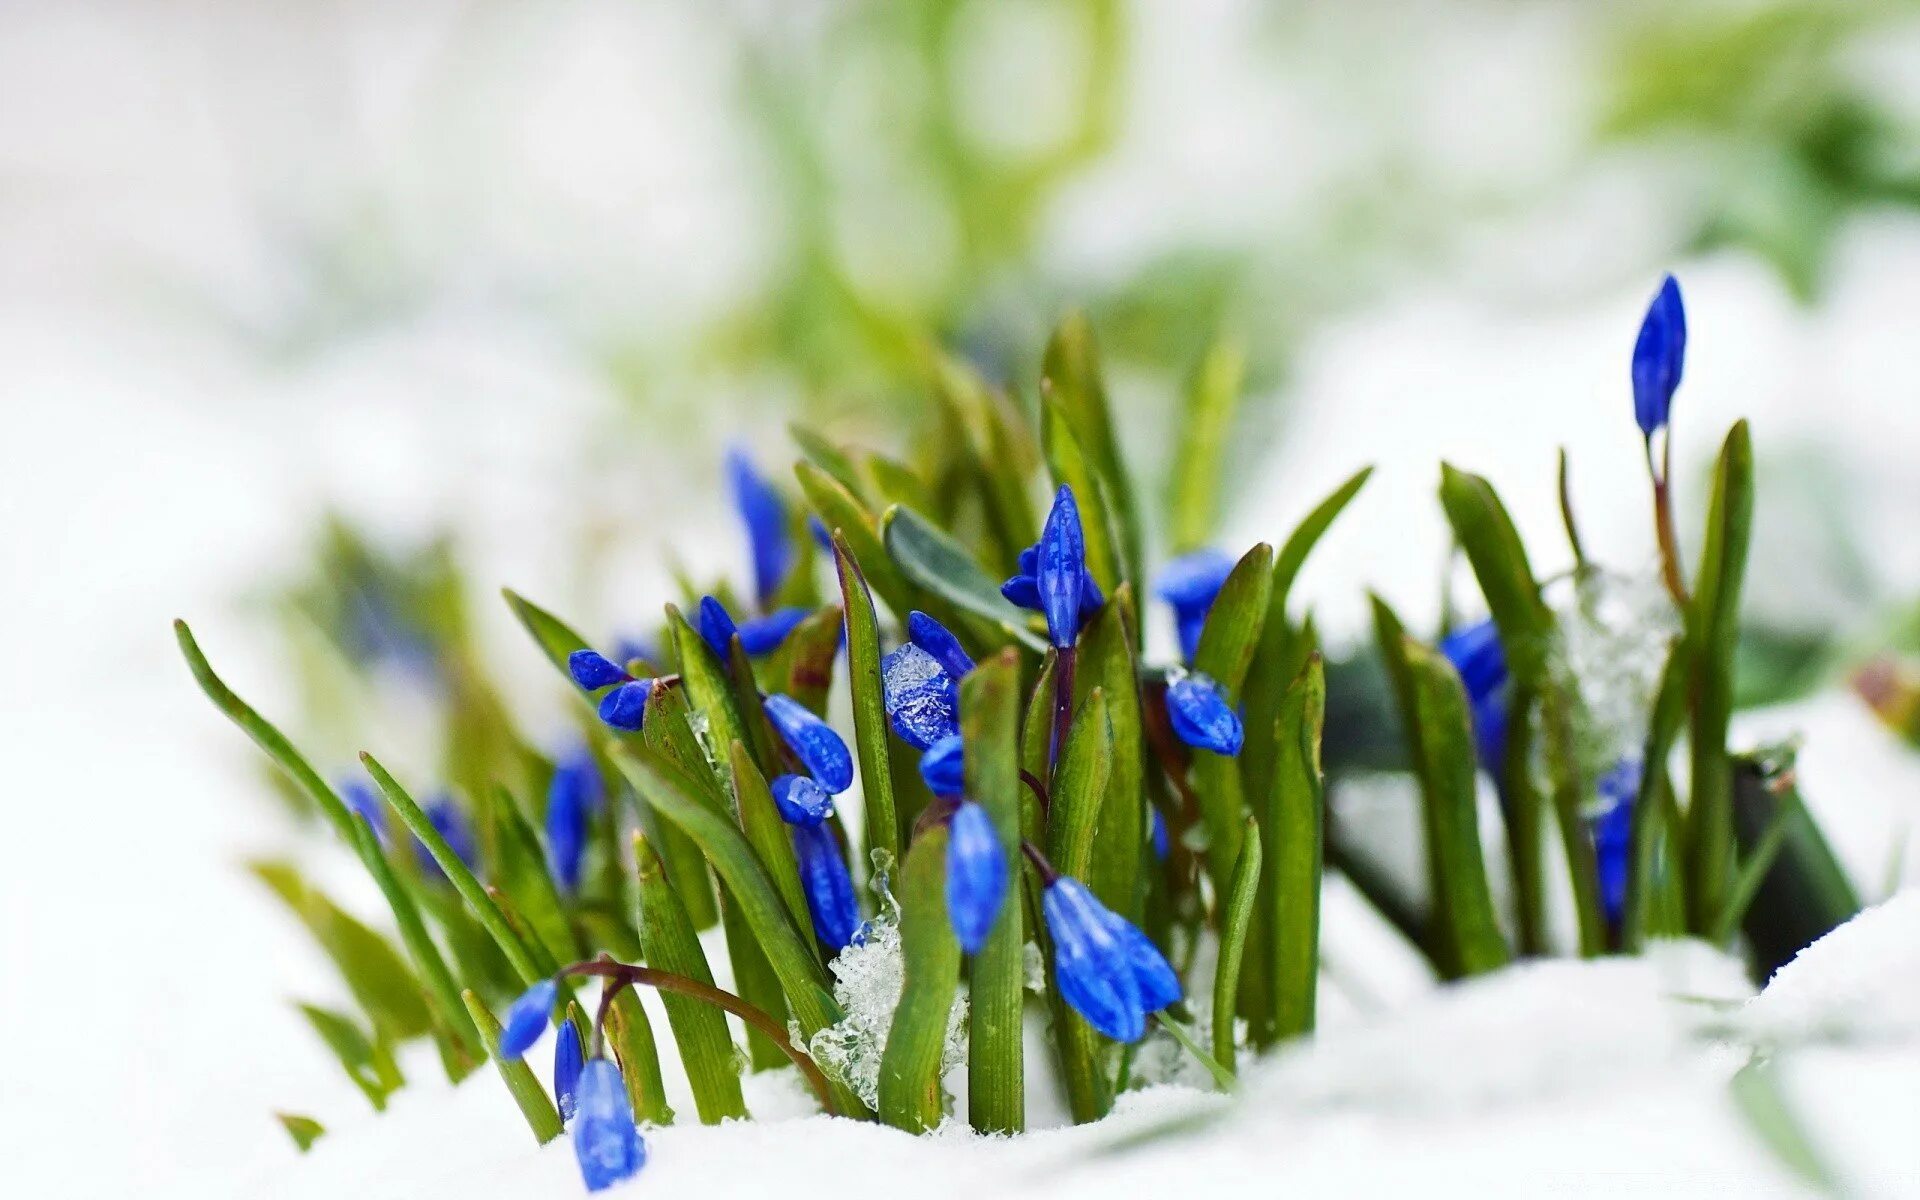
x=937, y=640
x=813, y=741
x=717, y=627
x=943, y=766
x=1053, y=577
x=763, y=635
x=801, y=801
x=605, y=1141
x=567, y=1063
x=625, y=703
x=1613, y=835
x=829, y=889
x=572, y=796
x=1476, y=654
x=1201, y=716
x=976, y=876
x=527, y=1019
x=922, y=699
x=593, y=670
x=1109, y=971
x=1659, y=355
x=1189, y=585
x=452, y=825
x=764, y=512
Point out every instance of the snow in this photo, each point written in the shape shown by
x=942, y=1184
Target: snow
x=1860, y=983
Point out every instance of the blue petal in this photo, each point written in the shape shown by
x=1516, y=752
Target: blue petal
x=1190, y=582
x=1091, y=965
x=821, y=537
x=943, y=766
x=527, y=1019
x=605, y=1141
x=452, y=825
x=764, y=513
x=829, y=889
x=625, y=707
x=365, y=804
x=567, y=821
x=1190, y=626
x=813, y=741
x=801, y=801
x=1659, y=355
x=593, y=671
x=1613, y=835
x=717, y=627
x=1476, y=653
x=567, y=1062
x=629, y=648
x=1152, y=974
x=1022, y=591
x=933, y=637
x=1063, y=569
x=1161, y=845
x=923, y=704
x=976, y=876
x=764, y=635
x=1202, y=717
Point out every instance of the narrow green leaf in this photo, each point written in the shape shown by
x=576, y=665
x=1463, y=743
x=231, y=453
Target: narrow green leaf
x=555, y=637
x=1086, y=763
x=668, y=730
x=1227, y=644
x=1653, y=856
x=941, y=565
x=630, y=1036
x=710, y=691
x=842, y=513
x=1242, y=894
x=767, y=834
x=1193, y=494
x=1499, y=559
x=910, y=1096
x=1107, y=661
x=882, y=825
x=1712, y=635
x=1071, y=467
x=990, y=722
x=304, y=1131
x=754, y=980
x=805, y=660
x=1070, y=377
x=827, y=458
x=1036, y=727
x=526, y=875
x=380, y=980
x=1222, y=1077
x=532, y=1099
x=367, y=1063
x=894, y=482
x=1293, y=814
x=670, y=944
x=996, y=459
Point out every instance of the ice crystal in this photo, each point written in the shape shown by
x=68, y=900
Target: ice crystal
x=868, y=978
x=1613, y=633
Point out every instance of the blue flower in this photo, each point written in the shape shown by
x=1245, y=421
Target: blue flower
x=452, y=825
x=717, y=628
x=1107, y=970
x=527, y=1019
x=934, y=638
x=364, y=803
x=593, y=670
x=630, y=648
x=801, y=801
x=765, y=514
x=567, y=1061
x=923, y=700
x=763, y=635
x=976, y=876
x=813, y=741
x=829, y=889
x=1613, y=835
x=1201, y=716
x=1162, y=845
x=605, y=1141
x=625, y=707
x=1189, y=584
x=1053, y=576
x=572, y=796
x=1659, y=354
x=943, y=766
x=1476, y=654
x=822, y=537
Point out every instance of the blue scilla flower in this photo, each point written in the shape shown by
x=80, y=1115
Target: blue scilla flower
x=801, y=801
x=764, y=513
x=1201, y=716
x=1189, y=584
x=923, y=700
x=1659, y=354
x=452, y=825
x=937, y=640
x=943, y=766
x=363, y=802
x=1476, y=654
x=813, y=741
x=976, y=876
x=717, y=627
x=572, y=796
x=625, y=704
x=527, y=1019
x=829, y=889
x=1053, y=576
x=763, y=635
x=605, y=1141
x=1613, y=835
x=593, y=670
x=567, y=1062
x=1162, y=844
x=1107, y=969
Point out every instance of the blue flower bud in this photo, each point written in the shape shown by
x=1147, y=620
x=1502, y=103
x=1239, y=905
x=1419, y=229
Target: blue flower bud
x=594, y=671
x=764, y=513
x=1108, y=971
x=829, y=889
x=1201, y=716
x=625, y=707
x=1189, y=584
x=923, y=701
x=452, y=825
x=717, y=627
x=527, y=1019
x=572, y=795
x=801, y=801
x=362, y=802
x=976, y=876
x=934, y=638
x=567, y=1062
x=813, y=741
x=630, y=648
x=1613, y=835
x=943, y=766
x=1476, y=653
x=1053, y=577
x=1659, y=354
x=763, y=635
x=1162, y=845
x=605, y=1141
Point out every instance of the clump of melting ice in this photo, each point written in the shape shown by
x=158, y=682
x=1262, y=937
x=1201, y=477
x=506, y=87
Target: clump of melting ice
x=868, y=978
x=1613, y=632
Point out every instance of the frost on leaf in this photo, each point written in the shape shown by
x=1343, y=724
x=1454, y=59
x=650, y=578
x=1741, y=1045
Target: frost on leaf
x=1611, y=645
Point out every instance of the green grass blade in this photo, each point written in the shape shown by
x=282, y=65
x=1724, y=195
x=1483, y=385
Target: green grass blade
x=910, y=1096
x=935, y=561
x=990, y=723
x=1107, y=661
x=304, y=1131
x=526, y=875
x=869, y=703
x=1294, y=816
x=842, y=513
x=997, y=458
x=668, y=731
x=710, y=690
x=1486, y=532
x=532, y=1099
x=755, y=982
x=768, y=835
x=1650, y=850
x=1242, y=894
x=1227, y=644
x=381, y=981
x=630, y=1036
x=706, y=1047
x=1070, y=378
x=826, y=457
x=367, y=1064
x=1086, y=763
x=1070, y=466
x=1193, y=493
x=555, y=637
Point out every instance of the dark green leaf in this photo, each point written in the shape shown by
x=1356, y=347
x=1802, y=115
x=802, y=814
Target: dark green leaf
x=1107, y=661
x=910, y=1097
x=882, y=825
x=842, y=513
x=990, y=720
x=630, y=1036
x=1227, y=644
x=1086, y=763
x=670, y=944
x=934, y=561
x=1293, y=813
x=555, y=637
x=1237, y=917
